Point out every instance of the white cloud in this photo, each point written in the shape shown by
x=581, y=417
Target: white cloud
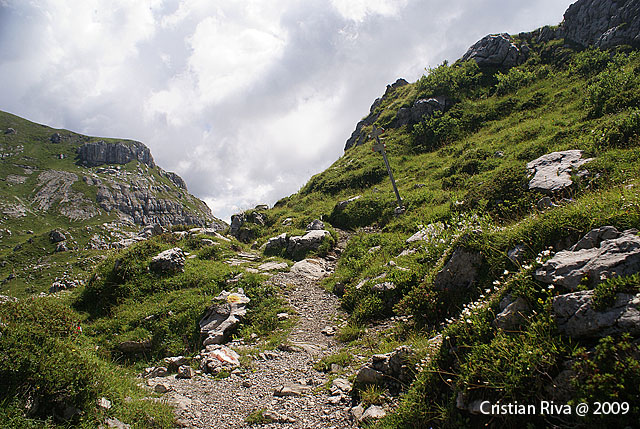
x=246, y=99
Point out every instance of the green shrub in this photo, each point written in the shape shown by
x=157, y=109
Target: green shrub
x=609, y=374
x=450, y=81
x=362, y=212
x=622, y=133
x=614, y=89
x=513, y=80
x=604, y=294
x=589, y=62
x=435, y=131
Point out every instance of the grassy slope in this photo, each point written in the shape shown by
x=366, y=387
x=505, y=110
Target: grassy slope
x=464, y=173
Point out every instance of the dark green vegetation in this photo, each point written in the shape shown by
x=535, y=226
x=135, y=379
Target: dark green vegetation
x=64, y=352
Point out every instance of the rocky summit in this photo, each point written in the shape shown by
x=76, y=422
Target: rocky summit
x=505, y=293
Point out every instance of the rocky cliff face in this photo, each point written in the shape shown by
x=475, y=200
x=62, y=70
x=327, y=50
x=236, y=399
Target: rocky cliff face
x=108, y=177
x=98, y=153
x=603, y=23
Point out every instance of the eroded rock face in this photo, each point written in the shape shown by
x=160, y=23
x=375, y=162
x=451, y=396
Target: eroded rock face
x=594, y=257
x=422, y=108
x=603, y=23
x=577, y=318
x=358, y=137
x=101, y=152
x=552, y=172
x=223, y=316
x=496, y=50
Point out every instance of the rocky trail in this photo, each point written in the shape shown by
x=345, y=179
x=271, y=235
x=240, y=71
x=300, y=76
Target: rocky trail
x=279, y=387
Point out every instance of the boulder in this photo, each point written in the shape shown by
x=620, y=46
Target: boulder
x=169, y=261
x=495, y=50
x=513, y=316
x=317, y=224
x=374, y=412
x=602, y=23
x=595, y=258
x=460, y=271
x=239, y=228
x=424, y=107
x=391, y=369
x=310, y=241
x=552, y=172
x=174, y=362
x=152, y=230
x=222, y=318
x=276, y=244
x=185, y=371
x=311, y=268
x=576, y=317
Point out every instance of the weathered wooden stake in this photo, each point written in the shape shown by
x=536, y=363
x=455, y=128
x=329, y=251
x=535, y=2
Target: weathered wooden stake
x=379, y=147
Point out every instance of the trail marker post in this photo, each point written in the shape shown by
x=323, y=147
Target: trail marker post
x=379, y=147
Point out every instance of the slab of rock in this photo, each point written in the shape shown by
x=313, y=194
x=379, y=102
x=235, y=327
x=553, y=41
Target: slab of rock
x=576, y=317
x=495, y=50
x=155, y=371
x=116, y=424
x=271, y=266
x=215, y=358
x=140, y=346
x=174, y=362
x=606, y=258
x=552, y=172
x=341, y=385
x=169, y=261
x=222, y=318
x=460, y=271
x=310, y=268
x=291, y=389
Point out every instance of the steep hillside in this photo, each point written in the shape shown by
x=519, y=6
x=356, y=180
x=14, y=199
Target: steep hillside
x=93, y=191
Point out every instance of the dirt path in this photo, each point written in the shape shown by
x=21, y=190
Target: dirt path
x=204, y=402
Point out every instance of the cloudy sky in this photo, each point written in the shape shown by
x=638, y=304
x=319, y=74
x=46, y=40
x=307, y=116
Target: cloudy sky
x=245, y=99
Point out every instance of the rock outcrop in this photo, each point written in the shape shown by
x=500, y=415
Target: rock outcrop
x=169, y=261
x=223, y=316
x=602, y=23
x=496, y=50
x=552, y=172
x=424, y=107
x=296, y=245
x=577, y=318
x=241, y=225
x=390, y=369
x=100, y=152
x=358, y=137
x=601, y=254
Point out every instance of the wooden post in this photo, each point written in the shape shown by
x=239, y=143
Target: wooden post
x=379, y=147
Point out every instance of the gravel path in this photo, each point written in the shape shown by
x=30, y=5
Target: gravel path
x=205, y=402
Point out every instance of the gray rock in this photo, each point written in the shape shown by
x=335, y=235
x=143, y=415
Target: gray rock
x=383, y=287
x=156, y=371
x=613, y=257
x=310, y=268
x=544, y=203
x=310, y=241
x=576, y=317
x=274, y=417
x=276, y=244
x=495, y=50
x=602, y=23
x=216, y=358
x=374, y=412
x=291, y=389
x=422, y=108
x=162, y=388
x=101, y=152
x=595, y=237
x=103, y=403
x=177, y=180
x=460, y=271
x=390, y=369
x=152, y=230
x=185, y=371
x=513, y=316
x=552, y=172
x=238, y=222
x=341, y=384
x=10, y=131
x=57, y=236
x=61, y=247
x=223, y=317
x=169, y=261
x=317, y=224
x=357, y=412
x=272, y=266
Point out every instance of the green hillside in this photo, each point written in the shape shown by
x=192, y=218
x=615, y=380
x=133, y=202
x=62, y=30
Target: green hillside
x=473, y=241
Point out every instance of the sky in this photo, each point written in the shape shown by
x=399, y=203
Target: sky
x=245, y=99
